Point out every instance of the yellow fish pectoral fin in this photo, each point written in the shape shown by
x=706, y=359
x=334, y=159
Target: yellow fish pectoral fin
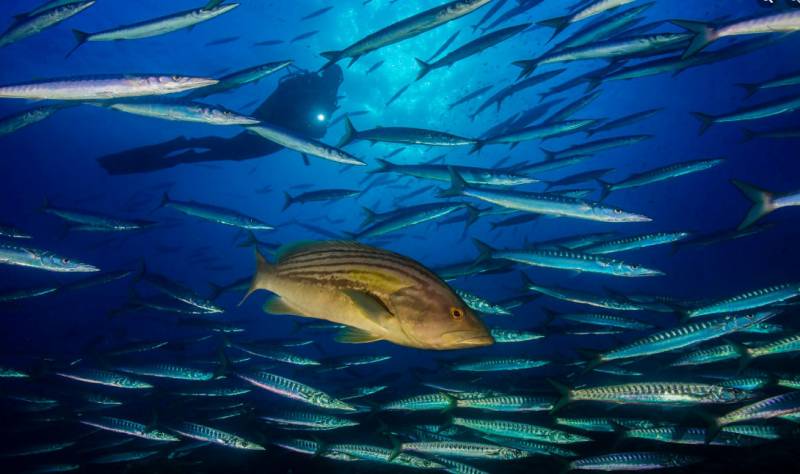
x=350, y=335
x=277, y=305
x=372, y=307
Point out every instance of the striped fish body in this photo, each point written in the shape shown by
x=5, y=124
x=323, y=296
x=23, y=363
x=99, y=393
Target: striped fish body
x=708, y=356
x=781, y=346
x=576, y=261
x=407, y=28
x=499, y=364
x=103, y=87
x=512, y=429
x=213, y=435
x=378, y=294
x=689, y=436
x=127, y=427
x=34, y=24
x=777, y=406
x=21, y=120
x=465, y=449
x=637, y=242
x=781, y=22
x=750, y=300
x=185, y=112
x=382, y=455
x=658, y=393
x=295, y=390
x=507, y=403
x=433, y=401
x=667, y=172
x=684, y=336
x=635, y=461
x=163, y=25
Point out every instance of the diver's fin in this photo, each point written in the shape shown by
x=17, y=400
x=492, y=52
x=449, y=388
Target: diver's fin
x=350, y=335
x=277, y=305
x=371, y=306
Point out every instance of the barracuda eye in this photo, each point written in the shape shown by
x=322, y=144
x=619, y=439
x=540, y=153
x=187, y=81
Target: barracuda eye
x=456, y=313
x=65, y=261
x=176, y=78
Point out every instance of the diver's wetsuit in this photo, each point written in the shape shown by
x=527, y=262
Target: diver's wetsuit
x=294, y=105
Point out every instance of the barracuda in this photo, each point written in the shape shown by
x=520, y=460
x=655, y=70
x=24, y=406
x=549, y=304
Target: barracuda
x=507, y=403
x=184, y=112
x=464, y=449
x=103, y=87
x=540, y=203
x=689, y=436
x=749, y=300
x=155, y=27
x=213, y=435
x=103, y=377
x=405, y=29
x=610, y=49
x=653, y=393
x=432, y=401
x=658, y=175
x=509, y=336
x=304, y=419
x=785, y=22
x=684, y=336
x=565, y=260
x=512, y=429
x=499, y=364
x=39, y=20
x=472, y=175
x=294, y=390
x=383, y=455
x=127, y=427
x=635, y=461
x=476, y=303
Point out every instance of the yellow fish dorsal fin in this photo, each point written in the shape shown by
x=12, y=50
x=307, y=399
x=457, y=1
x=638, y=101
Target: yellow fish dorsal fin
x=350, y=335
x=370, y=305
x=277, y=305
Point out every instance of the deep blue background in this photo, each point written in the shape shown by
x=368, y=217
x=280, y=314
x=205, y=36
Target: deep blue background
x=56, y=159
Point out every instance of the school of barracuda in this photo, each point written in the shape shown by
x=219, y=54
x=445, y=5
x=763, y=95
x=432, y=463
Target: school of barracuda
x=686, y=377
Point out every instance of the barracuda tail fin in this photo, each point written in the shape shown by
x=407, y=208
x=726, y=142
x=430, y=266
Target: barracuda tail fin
x=748, y=135
x=384, y=166
x=749, y=89
x=527, y=66
x=165, y=199
x=549, y=155
x=477, y=147
x=605, y=189
x=81, y=37
x=263, y=271
x=559, y=23
x=704, y=35
x=350, y=133
x=484, y=250
x=706, y=121
x=332, y=56
x=762, y=202
x=457, y=185
x=564, y=391
x=424, y=68
x=369, y=216
x=288, y=200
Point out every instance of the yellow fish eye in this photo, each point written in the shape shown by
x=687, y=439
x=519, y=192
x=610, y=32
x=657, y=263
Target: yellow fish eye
x=456, y=313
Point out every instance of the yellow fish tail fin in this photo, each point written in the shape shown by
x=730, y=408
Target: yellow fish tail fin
x=263, y=271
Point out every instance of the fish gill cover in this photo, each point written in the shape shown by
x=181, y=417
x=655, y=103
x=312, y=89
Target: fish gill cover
x=496, y=236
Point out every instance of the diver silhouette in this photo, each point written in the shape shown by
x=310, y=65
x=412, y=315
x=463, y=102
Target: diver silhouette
x=298, y=102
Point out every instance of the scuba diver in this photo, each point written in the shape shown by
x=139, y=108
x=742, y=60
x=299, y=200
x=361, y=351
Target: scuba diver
x=301, y=103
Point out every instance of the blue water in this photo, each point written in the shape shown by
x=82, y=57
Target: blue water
x=57, y=160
